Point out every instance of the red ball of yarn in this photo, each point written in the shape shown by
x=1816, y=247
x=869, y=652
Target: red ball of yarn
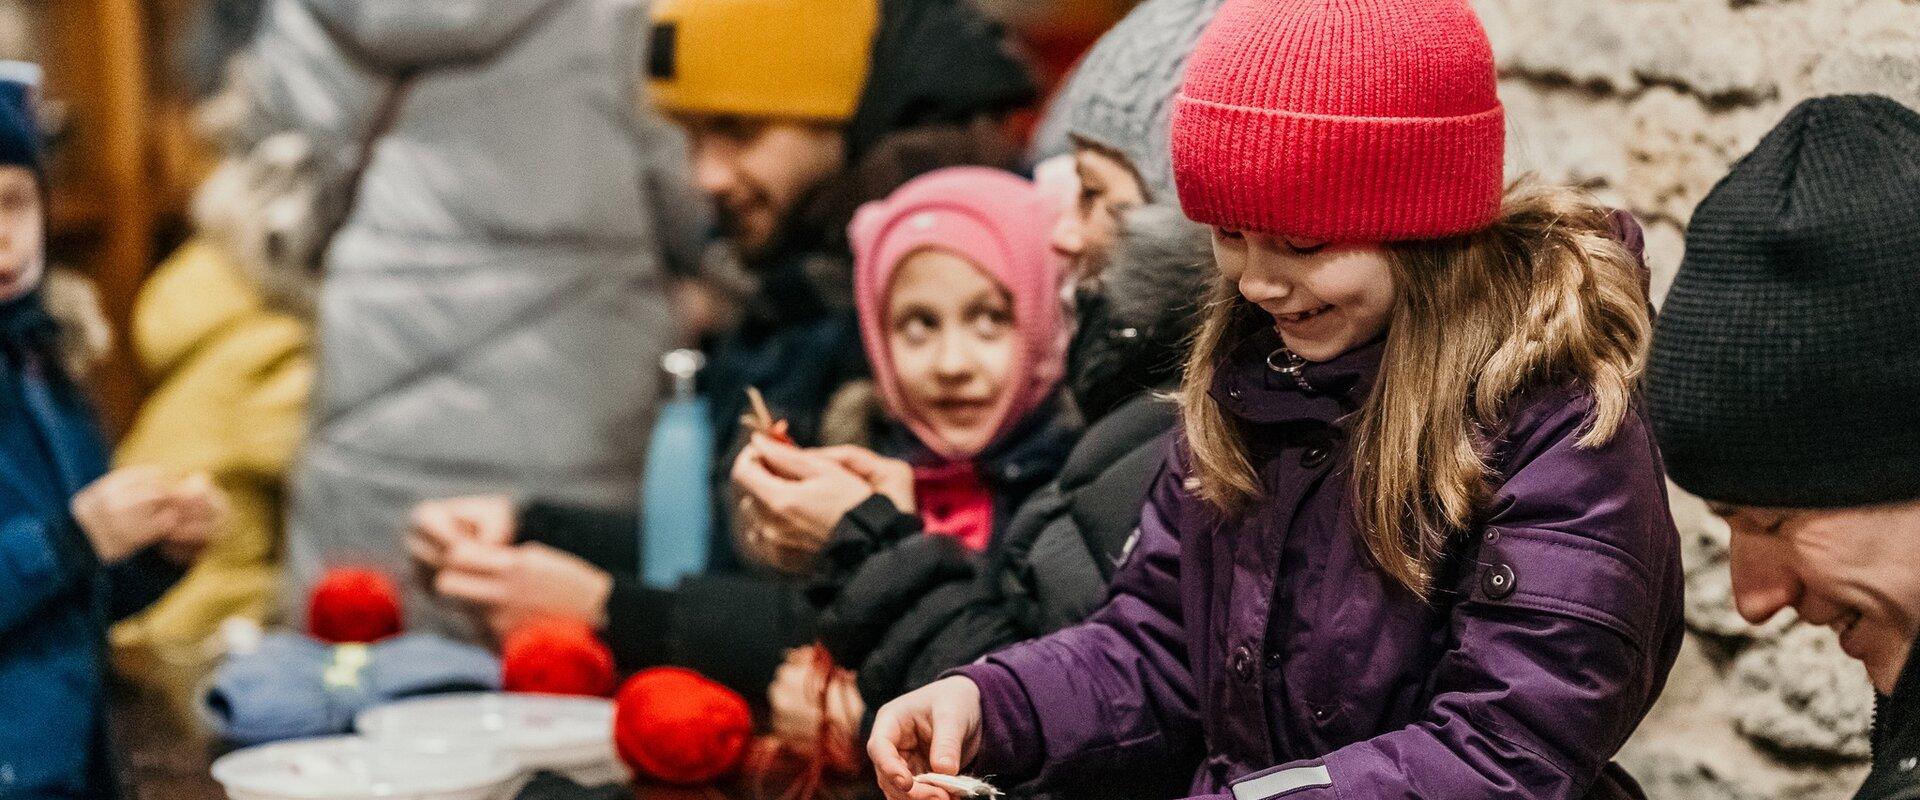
x=676, y=726
x=353, y=605
x=556, y=656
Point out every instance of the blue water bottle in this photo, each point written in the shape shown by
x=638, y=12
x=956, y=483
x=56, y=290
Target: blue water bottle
x=676, y=509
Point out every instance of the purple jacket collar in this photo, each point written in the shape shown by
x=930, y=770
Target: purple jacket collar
x=1253, y=386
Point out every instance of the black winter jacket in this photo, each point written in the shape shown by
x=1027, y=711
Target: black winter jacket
x=1896, y=740
x=914, y=607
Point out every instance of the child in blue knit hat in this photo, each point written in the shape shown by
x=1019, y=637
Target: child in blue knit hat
x=79, y=547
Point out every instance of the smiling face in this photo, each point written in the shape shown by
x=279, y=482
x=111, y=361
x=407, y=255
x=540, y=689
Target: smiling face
x=951, y=339
x=22, y=233
x=1852, y=569
x=1325, y=298
x=758, y=171
x=1086, y=232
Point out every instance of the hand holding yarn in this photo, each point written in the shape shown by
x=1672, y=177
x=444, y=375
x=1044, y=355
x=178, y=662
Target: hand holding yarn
x=436, y=526
x=515, y=586
x=809, y=698
x=135, y=507
x=797, y=496
x=889, y=477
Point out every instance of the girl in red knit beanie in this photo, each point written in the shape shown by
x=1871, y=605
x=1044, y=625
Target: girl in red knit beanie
x=1414, y=541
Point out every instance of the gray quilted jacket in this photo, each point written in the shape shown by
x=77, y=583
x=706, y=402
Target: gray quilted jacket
x=492, y=312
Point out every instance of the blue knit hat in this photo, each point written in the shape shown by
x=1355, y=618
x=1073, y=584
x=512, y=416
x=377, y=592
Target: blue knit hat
x=20, y=144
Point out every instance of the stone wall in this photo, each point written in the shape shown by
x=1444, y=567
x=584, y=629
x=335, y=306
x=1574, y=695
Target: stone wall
x=1648, y=102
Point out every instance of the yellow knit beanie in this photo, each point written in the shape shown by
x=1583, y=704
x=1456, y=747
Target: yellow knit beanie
x=794, y=59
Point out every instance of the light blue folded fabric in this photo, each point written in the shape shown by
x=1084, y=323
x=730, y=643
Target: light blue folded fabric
x=294, y=686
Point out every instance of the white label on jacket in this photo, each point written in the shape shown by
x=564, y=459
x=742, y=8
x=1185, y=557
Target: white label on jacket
x=1275, y=784
x=1126, y=550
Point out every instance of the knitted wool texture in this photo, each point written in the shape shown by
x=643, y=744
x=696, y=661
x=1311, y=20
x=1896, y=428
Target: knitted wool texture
x=1121, y=95
x=20, y=144
x=352, y=605
x=556, y=657
x=1358, y=120
x=785, y=59
x=1785, y=368
x=676, y=726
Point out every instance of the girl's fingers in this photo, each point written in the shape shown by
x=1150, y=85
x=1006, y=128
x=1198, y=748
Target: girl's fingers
x=896, y=778
x=791, y=462
x=928, y=791
x=755, y=479
x=855, y=458
x=944, y=755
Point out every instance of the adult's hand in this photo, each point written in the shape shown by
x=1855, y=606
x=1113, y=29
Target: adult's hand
x=437, y=526
x=796, y=496
x=795, y=696
x=512, y=586
x=935, y=728
x=131, y=508
x=203, y=513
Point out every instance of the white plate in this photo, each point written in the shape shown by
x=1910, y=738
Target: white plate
x=570, y=735
x=355, y=768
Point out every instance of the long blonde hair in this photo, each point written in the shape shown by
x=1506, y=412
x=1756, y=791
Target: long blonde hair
x=1545, y=295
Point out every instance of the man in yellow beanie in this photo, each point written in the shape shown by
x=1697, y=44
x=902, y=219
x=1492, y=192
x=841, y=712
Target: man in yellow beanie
x=798, y=111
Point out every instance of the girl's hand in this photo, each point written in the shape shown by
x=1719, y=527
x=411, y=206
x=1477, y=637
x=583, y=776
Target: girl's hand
x=798, y=496
x=890, y=477
x=760, y=542
x=516, y=585
x=437, y=526
x=935, y=728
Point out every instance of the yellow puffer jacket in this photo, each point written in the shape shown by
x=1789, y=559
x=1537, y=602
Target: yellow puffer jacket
x=230, y=381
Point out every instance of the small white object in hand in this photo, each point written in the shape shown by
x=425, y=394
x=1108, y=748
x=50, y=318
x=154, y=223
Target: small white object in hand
x=960, y=786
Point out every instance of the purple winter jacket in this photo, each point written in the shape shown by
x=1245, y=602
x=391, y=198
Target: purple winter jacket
x=1269, y=647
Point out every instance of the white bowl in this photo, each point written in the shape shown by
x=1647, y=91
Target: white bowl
x=569, y=735
x=355, y=768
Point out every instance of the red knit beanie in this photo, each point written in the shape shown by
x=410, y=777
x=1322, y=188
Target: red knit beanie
x=1344, y=120
x=676, y=726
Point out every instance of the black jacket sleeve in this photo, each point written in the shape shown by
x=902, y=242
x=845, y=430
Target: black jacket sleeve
x=877, y=566
x=609, y=540
x=138, y=581
x=732, y=628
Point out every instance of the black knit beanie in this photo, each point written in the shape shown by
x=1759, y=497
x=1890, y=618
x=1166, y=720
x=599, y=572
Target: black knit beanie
x=19, y=132
x=1786, y=359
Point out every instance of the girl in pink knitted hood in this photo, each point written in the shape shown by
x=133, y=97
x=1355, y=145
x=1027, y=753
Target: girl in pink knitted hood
x=958, y=298
x=957, y=293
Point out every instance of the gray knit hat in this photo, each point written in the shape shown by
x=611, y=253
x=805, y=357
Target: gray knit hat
x=1121, y=95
